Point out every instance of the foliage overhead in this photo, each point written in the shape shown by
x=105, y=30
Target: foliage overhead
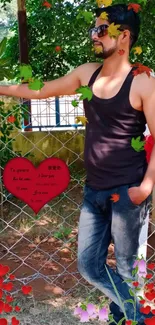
x=58, y=36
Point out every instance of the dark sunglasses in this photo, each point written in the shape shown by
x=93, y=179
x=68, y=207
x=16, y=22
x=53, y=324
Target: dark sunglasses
x=100, y=30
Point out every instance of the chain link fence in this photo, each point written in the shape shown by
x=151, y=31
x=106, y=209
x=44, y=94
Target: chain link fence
x=41, y=250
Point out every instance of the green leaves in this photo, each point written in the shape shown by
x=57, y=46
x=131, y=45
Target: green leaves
x=5, y=71
x=3, y=46
x=137, y=145
x=25, y=72
x=86, y=93
x=87, y=15
x=36, y=84
x=75, y=103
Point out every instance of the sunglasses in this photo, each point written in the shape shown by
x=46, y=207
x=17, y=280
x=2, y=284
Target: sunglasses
x=100, y=30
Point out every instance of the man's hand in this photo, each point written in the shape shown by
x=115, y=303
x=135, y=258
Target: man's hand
x=138, y=194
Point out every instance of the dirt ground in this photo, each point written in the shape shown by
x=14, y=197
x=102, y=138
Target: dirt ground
x=46, y=263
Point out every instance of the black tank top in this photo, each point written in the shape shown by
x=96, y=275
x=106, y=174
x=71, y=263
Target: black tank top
x=109, y=158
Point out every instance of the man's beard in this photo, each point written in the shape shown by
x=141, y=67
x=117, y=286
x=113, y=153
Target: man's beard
x=102, y=53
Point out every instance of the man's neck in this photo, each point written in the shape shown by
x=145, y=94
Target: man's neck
x=113, y=68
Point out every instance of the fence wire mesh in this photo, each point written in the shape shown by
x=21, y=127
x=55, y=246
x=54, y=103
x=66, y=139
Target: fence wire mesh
x=41, y=250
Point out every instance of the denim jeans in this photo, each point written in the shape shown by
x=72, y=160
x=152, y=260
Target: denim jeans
x=101, y=220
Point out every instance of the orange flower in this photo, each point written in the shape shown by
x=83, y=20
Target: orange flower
x=58, y=48
x=11, y=119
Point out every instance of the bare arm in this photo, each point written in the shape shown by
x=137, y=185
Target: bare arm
x=65, y=85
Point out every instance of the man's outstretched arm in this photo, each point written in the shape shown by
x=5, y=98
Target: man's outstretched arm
x=65, y=85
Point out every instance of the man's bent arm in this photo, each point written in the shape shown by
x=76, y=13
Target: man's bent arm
x=65, y=85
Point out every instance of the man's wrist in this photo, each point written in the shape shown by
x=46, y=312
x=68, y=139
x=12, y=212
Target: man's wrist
x=147, y=186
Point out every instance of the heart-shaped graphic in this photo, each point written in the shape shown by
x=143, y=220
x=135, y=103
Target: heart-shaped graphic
x=36, y=186
x=3, y=321
x=26, y=290
x=4, y=269
x=14, y=321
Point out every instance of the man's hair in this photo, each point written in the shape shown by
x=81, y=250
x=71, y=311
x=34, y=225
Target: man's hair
x=128, y=19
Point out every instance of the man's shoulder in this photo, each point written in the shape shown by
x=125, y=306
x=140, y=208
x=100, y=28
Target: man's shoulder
x=86, y=70
x=145, y=84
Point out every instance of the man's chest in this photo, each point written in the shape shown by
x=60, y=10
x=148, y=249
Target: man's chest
x=106, y=88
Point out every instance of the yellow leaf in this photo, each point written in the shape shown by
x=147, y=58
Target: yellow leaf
x=113, y=30
x=98, y=49
x=106, y=3
x=81, y=119
x=104, y=16
x=1, y=134
x=138, y=50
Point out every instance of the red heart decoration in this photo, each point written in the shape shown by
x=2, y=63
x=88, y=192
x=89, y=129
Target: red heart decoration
x=26, y=290
x=36, y=186
x=7, y=286
x=1, y=306
x=3, y=321
x=7, y=308
x=145, y=310
x=14, y=321
x=4, y=269
x=149, y=321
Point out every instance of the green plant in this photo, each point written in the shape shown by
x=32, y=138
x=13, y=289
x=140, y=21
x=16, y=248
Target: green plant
x=62, y=233
x=5, y=63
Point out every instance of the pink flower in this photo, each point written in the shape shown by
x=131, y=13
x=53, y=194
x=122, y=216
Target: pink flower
x=103, y=314
x=77, y=311
x=141, y=267
x=91, y=309
x=84, y=316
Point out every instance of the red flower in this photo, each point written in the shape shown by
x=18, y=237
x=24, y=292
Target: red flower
x=149, y=276
x=128, y=322
x=11, y=119
x=135, y=284
x=58, y=48
x=26, y=290
x=4, y=269
x=1, y=293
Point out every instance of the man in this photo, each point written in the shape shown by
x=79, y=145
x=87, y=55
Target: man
x=118, y=111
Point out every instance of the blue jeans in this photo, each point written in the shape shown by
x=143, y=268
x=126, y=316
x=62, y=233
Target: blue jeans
x=101, y=220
